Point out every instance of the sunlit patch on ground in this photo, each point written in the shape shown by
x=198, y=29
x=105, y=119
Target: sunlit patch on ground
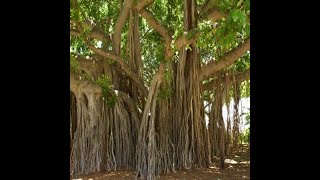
x=240, y=170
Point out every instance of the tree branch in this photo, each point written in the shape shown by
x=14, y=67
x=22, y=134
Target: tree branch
x=138, y=82
x=142, y=4
x=228, y=59
x=95, y=34
x=147, y=15
x=209, y=11
x=117, y=38
x=180, y=42
x=214, y=14
x=243, y=76
x=131, y=104
x=120, y=24
x=90, y=66
x=152, y=21
x=80, y=86
x=74, y=32
x=206, y=6
x=183, y=41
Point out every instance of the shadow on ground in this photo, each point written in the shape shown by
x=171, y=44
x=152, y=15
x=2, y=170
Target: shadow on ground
x=232, y=172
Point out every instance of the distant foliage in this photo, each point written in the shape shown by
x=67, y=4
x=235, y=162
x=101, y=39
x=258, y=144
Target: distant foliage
x=245, y=136
x=105, y=83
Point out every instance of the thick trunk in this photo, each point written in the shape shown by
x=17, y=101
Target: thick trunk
x=192, y=138
x=102, y=137
x=135, y=61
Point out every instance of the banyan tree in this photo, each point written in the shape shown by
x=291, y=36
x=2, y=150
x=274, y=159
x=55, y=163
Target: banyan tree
x=149, y=79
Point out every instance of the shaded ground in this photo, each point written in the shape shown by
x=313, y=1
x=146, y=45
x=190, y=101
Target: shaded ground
x=236, y=171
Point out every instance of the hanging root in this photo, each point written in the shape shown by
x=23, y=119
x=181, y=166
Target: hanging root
x=146, y=147
x=103, y=139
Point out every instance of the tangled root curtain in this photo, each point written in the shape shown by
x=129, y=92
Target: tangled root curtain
x=170, y=133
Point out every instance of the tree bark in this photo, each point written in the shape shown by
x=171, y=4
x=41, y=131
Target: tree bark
x=243, y=76
x=228, y=59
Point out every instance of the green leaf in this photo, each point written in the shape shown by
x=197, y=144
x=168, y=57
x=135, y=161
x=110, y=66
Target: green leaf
x=74, y=65
x=247, y=30
x=242, y=18
x=239, y=3
x=220, y=32
x=247, y=5
x=188, y=47
x=234, y=15
x=213, y=31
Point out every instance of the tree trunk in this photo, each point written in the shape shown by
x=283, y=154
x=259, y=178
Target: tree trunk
x=192, y=137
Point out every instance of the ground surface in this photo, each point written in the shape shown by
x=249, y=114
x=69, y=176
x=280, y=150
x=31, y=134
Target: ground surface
x=233, y=172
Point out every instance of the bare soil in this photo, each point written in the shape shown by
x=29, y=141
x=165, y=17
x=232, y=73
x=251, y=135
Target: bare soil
x=232, y=172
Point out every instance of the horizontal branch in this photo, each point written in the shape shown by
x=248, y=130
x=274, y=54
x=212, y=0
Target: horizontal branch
x=183, y=41
x=74, y=32
x=214, y=14
x=105, y=53
x=143, y=4
x=240, y=77
x=93, y=67
x=78, y=86
x=135, y=78
x=228, y=59
x=95, y=34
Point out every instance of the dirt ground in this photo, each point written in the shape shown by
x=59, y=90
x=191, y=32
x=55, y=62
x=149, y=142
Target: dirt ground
x=233, y=172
